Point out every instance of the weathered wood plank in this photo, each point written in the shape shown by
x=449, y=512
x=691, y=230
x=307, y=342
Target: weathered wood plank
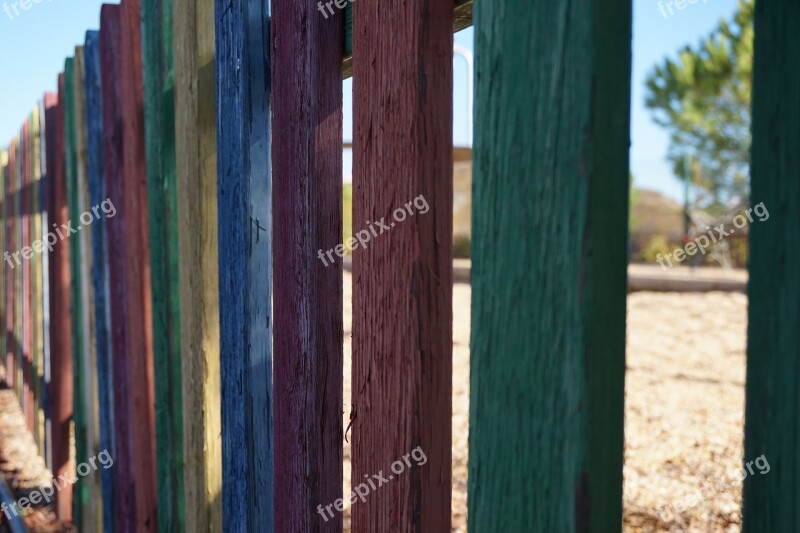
x=10, y=273
x=462, y=18
x=36, y=277
x=772, y=412
x=48, y=101
x=28, y=403
x=245, y=236
x=307, y=215
x=61, y=385
x=31, y=153
x=8, y=261
x=19, y=287
x=8, y=267
x=137, y=283
x=110, y=45
x=92, y=519
x=196, y=157
x=99, y=272
x=27, y=296
x=81, y=495
x=548, y=306
x=402, y=296
x=159, y=108
x=19, y=282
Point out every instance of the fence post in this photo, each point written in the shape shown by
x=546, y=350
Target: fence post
x=770, y=502
x=550, y=204
x=37, y=124
x=99, y=268
x=34, y=229
x=137, y=255
x=159, y=108
x=307, y=218
x=79, y=371
x=10, y=273
x=19, y=288
x=44, y=277
x=92, y=519
x=110, y=50
x=196, y=157
x=8, y=261
x=245, y=237
x=27, y=298
x=61, y=392
x=402, y=288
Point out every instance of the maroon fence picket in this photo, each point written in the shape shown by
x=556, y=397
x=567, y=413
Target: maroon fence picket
x=137, y=283
x=402, y=288
x=307, y=217
x=110, y=51
x=61, y=384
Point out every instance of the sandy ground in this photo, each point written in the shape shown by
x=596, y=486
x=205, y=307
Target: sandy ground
x=22, y=467
x=684, y=411
x=683, y=415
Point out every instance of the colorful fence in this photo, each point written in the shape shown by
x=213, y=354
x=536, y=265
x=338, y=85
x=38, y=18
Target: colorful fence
x=165, y=302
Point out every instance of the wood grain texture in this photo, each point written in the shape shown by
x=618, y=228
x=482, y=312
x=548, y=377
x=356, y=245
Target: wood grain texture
x=159, y=108
x=27, y=296
x=196, y=157
x=19, y=332
x=19, y=288
x=245, y=251
x=402, y=288
x=44, y=277
x=307, y=216
x=462, y=18
x=17, y=199
x=36, y=277
x=10, y=273
x=61, y=384
x=99, y=271
x=771, y=502
x=7, y=263
x=30, y=209
x=550, y=197
x=110, y=50
x=92, y=520
x=137, y=255
x=81, y=499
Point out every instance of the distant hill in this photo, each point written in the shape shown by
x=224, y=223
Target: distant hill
x=652, y=212
x=655, y=214
x=462, y=199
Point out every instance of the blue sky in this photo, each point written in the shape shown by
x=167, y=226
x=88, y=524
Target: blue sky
x=655, y=37
x=34, y=44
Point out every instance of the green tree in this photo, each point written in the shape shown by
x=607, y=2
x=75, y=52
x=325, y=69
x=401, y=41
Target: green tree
x=347, y=212
x=702, y=97
x=635, y=197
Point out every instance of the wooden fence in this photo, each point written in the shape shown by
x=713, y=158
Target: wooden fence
x=164, y=301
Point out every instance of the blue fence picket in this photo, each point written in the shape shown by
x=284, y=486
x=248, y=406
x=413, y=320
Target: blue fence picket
x=245, y=250
x=97, y=195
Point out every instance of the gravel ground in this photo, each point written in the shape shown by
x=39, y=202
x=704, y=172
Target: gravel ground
x=684, y=411
x=683, y=415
